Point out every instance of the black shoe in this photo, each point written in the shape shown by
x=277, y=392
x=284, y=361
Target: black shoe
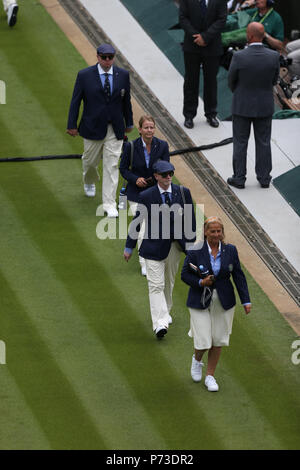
x=160, y=332
x=212, y=121
x=188, y=122
x=233, y=183
x=265, y=185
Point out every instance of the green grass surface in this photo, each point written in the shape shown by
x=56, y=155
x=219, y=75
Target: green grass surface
x=83, y=368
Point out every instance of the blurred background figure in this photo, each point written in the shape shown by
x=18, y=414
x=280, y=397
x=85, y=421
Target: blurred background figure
x=11, y=8
x=293, y=53
x=235, y=5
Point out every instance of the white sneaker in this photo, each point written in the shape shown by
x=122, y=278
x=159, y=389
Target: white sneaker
x=89, y=190
x=196, y=370
x=12, y=14
x=112, y=212
x=211, y=383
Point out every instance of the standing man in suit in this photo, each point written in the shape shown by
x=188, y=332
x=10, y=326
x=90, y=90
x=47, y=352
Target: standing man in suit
x=252, y=74
x=170, y=226
x=203, y=22
x=105, y=91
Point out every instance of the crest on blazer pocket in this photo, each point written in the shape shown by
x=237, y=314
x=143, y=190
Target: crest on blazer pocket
x=122, y=92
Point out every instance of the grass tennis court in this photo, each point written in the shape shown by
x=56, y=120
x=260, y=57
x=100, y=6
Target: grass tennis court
x=83, y=369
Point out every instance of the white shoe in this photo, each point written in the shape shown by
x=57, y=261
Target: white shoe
x=170, y=320
x=196, y=370
x=112, y=212
x=211, y=383
x=12, y=14
x=143, y=271
x=89, y=190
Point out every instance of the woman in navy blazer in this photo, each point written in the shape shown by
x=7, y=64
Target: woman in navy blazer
x=139, y=174
x=208, y=269
x=147, y=149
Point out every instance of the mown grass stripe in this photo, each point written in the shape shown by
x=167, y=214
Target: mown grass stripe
x=257, y=422
x=245, y=434
x=127, y=341
x=78, y=352
x=37, y=103
x=45, y=388
x=19, y=428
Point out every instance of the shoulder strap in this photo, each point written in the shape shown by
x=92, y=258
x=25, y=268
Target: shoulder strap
x=131, y=160
x=182, y=193
x=264, y=17
x=131, y=153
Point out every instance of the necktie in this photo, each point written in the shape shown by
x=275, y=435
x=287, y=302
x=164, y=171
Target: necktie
x=203, y=7
x=107, y=87
x=167, y=198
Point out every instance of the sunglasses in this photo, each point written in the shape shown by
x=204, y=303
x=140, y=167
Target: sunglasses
x=107, y=56
x=166, y=174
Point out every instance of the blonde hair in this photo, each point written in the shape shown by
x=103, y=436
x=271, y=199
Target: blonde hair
x=213, y=220
x=146, y=117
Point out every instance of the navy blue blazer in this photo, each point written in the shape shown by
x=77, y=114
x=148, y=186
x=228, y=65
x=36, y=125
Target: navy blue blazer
x=230, y=266
x=97, y=113
x=157, y=247
x=159, y=151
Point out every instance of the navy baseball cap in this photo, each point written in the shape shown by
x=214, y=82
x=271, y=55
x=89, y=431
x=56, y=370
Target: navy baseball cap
x=106, y=49
x=162, y=166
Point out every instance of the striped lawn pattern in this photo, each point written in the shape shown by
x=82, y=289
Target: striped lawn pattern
x=84, y=370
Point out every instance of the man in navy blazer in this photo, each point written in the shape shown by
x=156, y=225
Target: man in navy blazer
x=170, y=226
x=252, y=74
x=104, y=90
x=137, y=163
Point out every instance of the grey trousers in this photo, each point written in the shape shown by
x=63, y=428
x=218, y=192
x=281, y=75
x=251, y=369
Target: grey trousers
x=241, y=127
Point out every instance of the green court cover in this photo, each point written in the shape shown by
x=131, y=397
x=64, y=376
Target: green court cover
x=288, y=185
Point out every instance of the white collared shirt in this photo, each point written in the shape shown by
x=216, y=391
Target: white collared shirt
x=110, y=76
x=161, y=190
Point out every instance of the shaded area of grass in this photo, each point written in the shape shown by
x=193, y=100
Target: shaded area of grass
x=258, y=404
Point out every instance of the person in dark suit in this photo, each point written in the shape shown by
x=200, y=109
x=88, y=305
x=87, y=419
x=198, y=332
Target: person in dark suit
x=207, y=269
x=252, y=74
x=170, y=226
x=147, y=150
x=107, y=113
x=203, y=22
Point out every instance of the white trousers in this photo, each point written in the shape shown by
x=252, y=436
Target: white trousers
x=110, y=150
x=7, y=3
x=161, y=278
x=133, y=207
x=212, y=326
